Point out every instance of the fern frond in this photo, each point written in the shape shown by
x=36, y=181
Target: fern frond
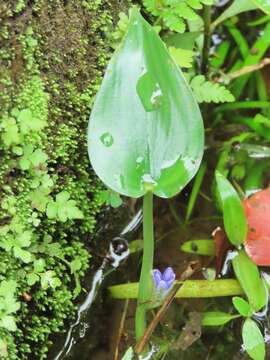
x=206, y=91
x=182, y=57
x=173, y=22
x=121, y=27
x=155, y=7
x=185, y=11
x=195, y=4
x=174, y=12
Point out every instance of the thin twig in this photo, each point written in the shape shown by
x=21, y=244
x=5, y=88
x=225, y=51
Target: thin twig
x=121, y=328
x=248, y=69
x=162, y=311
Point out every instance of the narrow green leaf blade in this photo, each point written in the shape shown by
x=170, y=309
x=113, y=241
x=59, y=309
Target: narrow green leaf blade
x=199, y=247
x=145, y=131
x=237, y=7
x=235, y=222
x=242, y=306
x=249, y=278
x=217, y=318
x=262, y=43
x=195, y=191
x=253, y=340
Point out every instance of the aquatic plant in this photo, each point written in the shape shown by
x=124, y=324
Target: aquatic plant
x=145, y=133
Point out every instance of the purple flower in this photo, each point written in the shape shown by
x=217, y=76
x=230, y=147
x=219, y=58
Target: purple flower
x=163, y=282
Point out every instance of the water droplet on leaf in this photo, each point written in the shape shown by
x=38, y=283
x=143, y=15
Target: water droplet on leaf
x=106, y=139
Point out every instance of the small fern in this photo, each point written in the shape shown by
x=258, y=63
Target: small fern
x=121, y=27
x=173, y=13
x=206, y=91
x=182, y=57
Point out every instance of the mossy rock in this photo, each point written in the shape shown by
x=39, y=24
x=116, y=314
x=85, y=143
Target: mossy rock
x=52, y=59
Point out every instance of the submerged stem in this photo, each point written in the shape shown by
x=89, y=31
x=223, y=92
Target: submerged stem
x=145, y=284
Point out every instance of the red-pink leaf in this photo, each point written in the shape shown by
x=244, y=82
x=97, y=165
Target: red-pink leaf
x=257, y=210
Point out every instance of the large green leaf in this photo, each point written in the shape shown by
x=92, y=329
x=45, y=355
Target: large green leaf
x=248, y=275
x=145, y=131
x=235, y=222
x=253, y=340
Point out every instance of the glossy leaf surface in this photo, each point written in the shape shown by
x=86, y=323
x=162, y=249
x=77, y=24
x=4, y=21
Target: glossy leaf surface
x=199, y=247
x=217, y=318
x=253, y=340
x=145, y=130
x=235, y=222
x=257, y=210
x=242, y=306
x=249, y=278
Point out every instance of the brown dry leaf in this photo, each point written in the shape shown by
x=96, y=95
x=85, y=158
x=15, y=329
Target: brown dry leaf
x=191, y=332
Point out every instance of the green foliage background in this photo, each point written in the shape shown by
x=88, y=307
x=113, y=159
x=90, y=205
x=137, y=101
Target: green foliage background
x=51, y=62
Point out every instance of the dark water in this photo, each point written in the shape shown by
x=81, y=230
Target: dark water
x=88, y=335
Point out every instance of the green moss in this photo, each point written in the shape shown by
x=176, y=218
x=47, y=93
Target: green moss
x=51, y=61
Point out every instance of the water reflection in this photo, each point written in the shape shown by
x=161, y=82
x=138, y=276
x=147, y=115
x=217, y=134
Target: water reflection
x=118, y=251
